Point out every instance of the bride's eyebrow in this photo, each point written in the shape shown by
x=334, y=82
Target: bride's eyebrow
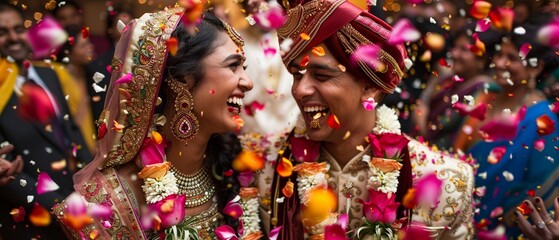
x=233, y=56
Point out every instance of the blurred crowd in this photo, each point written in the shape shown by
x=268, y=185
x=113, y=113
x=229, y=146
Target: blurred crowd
x=477, y=71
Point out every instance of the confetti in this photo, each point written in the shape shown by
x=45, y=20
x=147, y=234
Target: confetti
x=404, y=31
x=509, y=177
x=172, y=45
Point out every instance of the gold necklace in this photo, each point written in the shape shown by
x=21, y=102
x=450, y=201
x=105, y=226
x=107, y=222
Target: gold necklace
x=198, y=187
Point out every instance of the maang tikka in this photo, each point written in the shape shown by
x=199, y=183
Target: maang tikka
x=184, y=124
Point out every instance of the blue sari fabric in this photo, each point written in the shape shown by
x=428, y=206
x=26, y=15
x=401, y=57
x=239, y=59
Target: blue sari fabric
x=529, y=167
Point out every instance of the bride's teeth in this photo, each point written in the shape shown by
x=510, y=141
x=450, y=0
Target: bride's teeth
x=314, y=109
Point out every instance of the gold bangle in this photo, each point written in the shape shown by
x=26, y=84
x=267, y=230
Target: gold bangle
x=549, y=222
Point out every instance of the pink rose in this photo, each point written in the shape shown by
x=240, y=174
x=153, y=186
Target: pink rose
x=388, y=145
x=151, y=152
x=380, y=207
x=170, y=210
x=304, y=150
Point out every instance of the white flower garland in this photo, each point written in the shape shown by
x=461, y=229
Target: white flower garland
x=387, y=121
x=250, y=217
x=156, y=190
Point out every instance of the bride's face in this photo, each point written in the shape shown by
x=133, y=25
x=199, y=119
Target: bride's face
x=218, y=96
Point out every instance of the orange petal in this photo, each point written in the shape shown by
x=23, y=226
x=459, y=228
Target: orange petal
x=157, y=170
x=545, y=125
x=117, y=126
x=305, y=36
x=409, y=200
x=321, y=202
x=285, y=167
x=288, y=189
x=77, y=222
x=239, y=121
x=39, y=216
x=94, y=234
x=480, y=9
x=318, y=51
x=173, y=45
x=156, y=137
x=248, y=161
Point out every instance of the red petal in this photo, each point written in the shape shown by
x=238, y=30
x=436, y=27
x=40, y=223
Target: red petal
x=333, y=121
x=545, y=125
x=39, y=217
x=172, y=45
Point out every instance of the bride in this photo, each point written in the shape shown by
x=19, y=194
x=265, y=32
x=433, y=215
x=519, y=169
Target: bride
x=166, y=147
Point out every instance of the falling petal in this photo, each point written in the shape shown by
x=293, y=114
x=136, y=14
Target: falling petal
x=545, y=125
x=524, y=208
x=102, y=130
x=45, y=184
x=498, y=233
x=428, y=189
x=509, y=177
x=285, y=167
x=117, y=126
x=193, y=10
x=124, y=79
x=269, y=52
x=275, y=232
x=287, y=190
x=305, y=36
x=496, y=154
x=100, y=211
x=58, y=165
x=233, y=209
x=318, y=51
x=251, y=108
x=305, y=61
x=172, y=45
x=531, y=193
x=497, y=212
x=273, y=18
x=303, y=149
x=443, y=63
x=333, y=121
x=98, y=88
x=435, y=41
x=18, y=214
x=404, y=31
x=225, y=232
x=479, y=47
x=524, y=50
x=368, y=54
x=39, y=216
x=477, y=112
x=46, y=36
x=539, y=145
x=503, y=128
x=85, y=32
x=248, y=161
x=35, y=104
x=98, y=77
x=416, y=232
x=480, y=9
x=321, y=202
x=458, y=79
x=547, y=35
x=502, y=18
x=483, y=24
x=245, y=178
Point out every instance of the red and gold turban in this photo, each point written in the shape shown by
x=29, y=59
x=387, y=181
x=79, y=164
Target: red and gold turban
x=343, y=27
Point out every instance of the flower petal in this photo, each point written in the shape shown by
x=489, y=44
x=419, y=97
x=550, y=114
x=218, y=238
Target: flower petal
x=545, y=125
x=548, y=36
x=483, y=24
x=124, y=79
x=524, y=50
x=35, y=104
x=39, y=216
x=285, y=167
x=496, y=154
x=18, y=214
x=45, y=184
x=46, y=36
x=275, y=232
x=404, y=31
x=303, y=149
x=480, y=9
x=539, y=145
x=172, y=45
x=233, y=209
x=333, y=121
x=428, y=189
x=248, y=161
x=225, y=232
x=272, y=18
x=368, y=54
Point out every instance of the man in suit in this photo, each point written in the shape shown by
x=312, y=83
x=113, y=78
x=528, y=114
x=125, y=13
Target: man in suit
x=55, y=147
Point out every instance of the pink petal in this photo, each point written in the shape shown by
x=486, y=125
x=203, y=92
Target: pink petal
x=524, y=50
x=334, y=232
x=273, y=18
x=75, y=204
x=233, y=209
x=343, y=220
x=415, y=1
x=458, y=79
x=428, y=189
x=241, y=227
x=483, y=24
x=496, y=154
x=416, y=232
x=497, y=212
x=498, y=233
x=548, y=36
x=275, y=232
x=251, y=108
x=270, y=52
x=368, y=54
x=245, y=178
x=46, y=36
x=477, y=112
x=173, y=217
x=151, y=152
x=100, y=211
x=124, y=79
x=370, y=104
x=225, y=232
x=404, y=31
x=539, y=145
x=504, y=128
x=45, y=184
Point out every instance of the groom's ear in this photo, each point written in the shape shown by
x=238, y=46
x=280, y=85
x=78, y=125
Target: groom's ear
x=370, y=91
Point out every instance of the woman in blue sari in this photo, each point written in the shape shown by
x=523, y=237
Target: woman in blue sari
x=516, y=144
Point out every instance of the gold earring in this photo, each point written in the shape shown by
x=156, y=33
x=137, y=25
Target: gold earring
x=184, y=124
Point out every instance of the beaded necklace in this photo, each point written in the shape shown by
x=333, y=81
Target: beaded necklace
x=198, y=187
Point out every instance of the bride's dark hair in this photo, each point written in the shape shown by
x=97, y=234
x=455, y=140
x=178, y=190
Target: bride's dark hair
x=222, y=148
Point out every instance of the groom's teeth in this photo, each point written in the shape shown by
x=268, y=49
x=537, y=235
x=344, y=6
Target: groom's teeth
x=314, y=109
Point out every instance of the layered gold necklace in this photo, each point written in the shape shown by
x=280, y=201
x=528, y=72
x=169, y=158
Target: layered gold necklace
x=198, y=187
